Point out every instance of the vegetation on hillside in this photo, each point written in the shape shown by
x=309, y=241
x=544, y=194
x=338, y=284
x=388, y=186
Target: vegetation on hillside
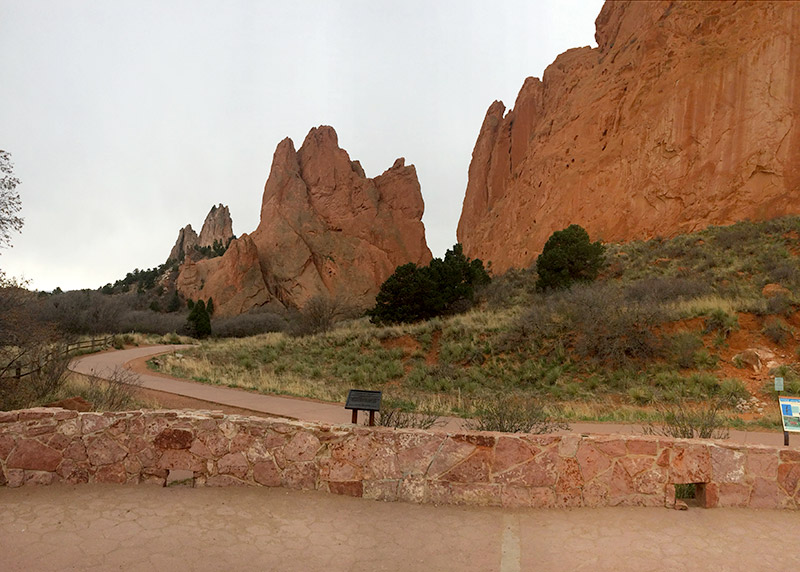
x=659, y=326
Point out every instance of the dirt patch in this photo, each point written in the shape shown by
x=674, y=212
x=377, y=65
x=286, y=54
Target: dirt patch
x=408, y=344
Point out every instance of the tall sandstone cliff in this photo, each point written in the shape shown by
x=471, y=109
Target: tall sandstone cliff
x=326, y=229
x=687, y=114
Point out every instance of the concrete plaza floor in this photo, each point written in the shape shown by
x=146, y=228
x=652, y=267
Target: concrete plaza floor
x=110, y=527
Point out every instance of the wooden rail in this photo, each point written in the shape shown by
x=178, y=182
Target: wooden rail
x=93, y=344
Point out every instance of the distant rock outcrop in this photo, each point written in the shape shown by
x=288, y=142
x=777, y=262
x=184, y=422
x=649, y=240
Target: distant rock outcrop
x=326, y=229
x=217, y=232
x=687, y=114
x=218, y=227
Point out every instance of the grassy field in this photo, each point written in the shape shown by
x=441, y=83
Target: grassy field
x=667, y=322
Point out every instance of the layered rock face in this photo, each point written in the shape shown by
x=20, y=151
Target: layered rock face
x=687, y=114
x=218, y=227
x=326, y=229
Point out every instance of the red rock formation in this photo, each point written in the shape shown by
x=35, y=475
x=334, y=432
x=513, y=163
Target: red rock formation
x=686, y=114
x=218, y=226
x=184, y=246
x=233, y=280
x=328, y=229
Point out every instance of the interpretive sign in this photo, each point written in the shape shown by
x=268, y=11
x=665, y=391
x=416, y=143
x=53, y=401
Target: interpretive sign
x=364, y=400
x=790, y=413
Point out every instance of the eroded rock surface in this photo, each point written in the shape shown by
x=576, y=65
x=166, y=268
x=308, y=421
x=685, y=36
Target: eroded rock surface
x=326, y=229
x=685, y=115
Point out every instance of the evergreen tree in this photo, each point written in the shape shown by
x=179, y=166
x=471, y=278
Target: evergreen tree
x=199, y=322
x=568, y=256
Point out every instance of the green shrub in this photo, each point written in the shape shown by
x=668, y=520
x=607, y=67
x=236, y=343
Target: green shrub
x=683, y=347
x=720, y=321
x=568, y=256
x=776, y=331
x=413, y=293
x=199, y=322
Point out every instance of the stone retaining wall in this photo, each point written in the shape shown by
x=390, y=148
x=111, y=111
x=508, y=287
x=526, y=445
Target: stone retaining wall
x=45, y=446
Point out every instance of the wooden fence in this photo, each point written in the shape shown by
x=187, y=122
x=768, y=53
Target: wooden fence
x=94, y=344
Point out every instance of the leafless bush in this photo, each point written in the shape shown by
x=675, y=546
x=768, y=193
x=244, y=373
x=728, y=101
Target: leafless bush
x=117, y=391
x=665, y=289
x=248, y=325
x=400, y=418
x=319, y=315
x=683, y=421
x=516, y=415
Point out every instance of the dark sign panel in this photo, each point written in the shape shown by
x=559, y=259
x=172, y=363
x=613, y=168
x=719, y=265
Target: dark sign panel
x=364, y=400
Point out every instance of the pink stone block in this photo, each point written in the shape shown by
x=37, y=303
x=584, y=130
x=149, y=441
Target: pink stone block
x=383, y=490
x=765, y=494
x=413, y=490
x=267, y=473
x=59, y=441
x=339, y=470
x=569, y=475
x=511, y=451
x=761, y=463
x=104, y=450
x=6, y=445
x=475, y=494
x=15, y=477
x=474, y=469
x=651, y=482
x=38, y=428
x=33, y=455
x=223, y=481
x=351, y=488
x=728, y=465
x=477, y=439
x=233, y=464
x=302, y=446
x=383, y=465
x=733, y=495
x=788, y=477
x=40, y=478
x=568, y=445
x=241, y=442
x=541, y=471
x=94, y=422
x=36, y=413
x=356, y=450
x=790, y=455
x=179, y=459
x=611, y=446
x=690, y=463
x=8, y=416
x=414, y=460
x=635, y=465
x=73, y=472
x=217, y=443
x=591, y=460
x=174, y=439
x=300, y=476
x=451, y=453
x=642, y=446
x=200, y=449
x=111, y=474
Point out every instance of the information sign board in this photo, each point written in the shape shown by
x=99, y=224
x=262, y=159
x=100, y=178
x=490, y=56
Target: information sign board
x=790, y=413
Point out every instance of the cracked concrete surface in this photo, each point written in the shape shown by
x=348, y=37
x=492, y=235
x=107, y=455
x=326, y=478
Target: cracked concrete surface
x=145, y=528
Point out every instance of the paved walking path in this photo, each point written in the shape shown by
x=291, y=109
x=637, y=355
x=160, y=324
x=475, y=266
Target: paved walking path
x=112, y=527
x=103, y=364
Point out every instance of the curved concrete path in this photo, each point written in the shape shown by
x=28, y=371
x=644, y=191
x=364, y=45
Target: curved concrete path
x=105, y=527
x=103, y=365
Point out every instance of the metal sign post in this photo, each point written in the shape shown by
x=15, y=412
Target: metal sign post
x=364, y=400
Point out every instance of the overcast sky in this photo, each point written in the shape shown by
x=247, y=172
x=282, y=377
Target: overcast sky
x=127, y=120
